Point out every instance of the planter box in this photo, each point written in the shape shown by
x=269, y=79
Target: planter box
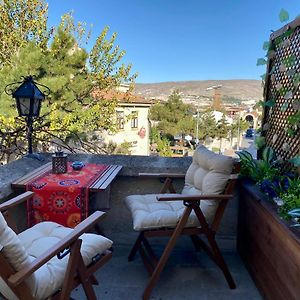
x=268, y=246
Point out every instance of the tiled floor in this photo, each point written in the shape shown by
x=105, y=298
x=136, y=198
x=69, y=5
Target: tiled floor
x=188, y=275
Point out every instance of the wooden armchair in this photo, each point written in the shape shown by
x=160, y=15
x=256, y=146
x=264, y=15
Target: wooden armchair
x=47, y=261
x=209, y=183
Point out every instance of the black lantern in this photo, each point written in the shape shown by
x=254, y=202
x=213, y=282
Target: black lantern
x=28, y=99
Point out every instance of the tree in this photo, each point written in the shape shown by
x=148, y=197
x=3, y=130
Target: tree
x=222, y=130
x=207, y=126
x=75, y=109
x=22, y=21
x=237, y=128
x=174, y=117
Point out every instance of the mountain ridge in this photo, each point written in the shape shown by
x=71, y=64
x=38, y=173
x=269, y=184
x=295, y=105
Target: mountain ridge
x=245, y=91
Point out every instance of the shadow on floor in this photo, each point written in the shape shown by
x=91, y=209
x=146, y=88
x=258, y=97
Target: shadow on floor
x=188, y=275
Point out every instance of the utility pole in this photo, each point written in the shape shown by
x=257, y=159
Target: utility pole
x=238, y=134
x=197, y=126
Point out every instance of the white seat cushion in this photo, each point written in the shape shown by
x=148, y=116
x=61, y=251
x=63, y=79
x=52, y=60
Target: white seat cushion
x=148, y=213
x=38, y=239
x=208, y=174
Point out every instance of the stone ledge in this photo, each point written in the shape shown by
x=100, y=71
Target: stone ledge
x=132, y=165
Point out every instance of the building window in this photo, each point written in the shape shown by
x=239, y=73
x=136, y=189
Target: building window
x=134, y=119
x=120, y=119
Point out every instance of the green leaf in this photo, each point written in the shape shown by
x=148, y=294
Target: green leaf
x=284, y=106
x=268, y=154
x=266, y=45
x=269, y=103
x=260, y=103
x=290, y=61
x=263, y=76
x=290, y=132
x=283, y=15
x=296, y=79
x=261, y=62
x=260, y=141
x=245, y=155
x=272, y=70
x=295, y=161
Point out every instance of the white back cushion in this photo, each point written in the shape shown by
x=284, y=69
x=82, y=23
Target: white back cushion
x=15, y=254
x=209, y=172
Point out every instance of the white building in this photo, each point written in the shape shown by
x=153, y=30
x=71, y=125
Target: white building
x=132, y=121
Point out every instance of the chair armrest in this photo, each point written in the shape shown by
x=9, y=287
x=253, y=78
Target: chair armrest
x=190, y=198
x=155, y=175
x=16, y=201
x=82, y=227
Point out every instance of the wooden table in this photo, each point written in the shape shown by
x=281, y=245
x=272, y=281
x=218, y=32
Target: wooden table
x=100, y=184
x=99, y=189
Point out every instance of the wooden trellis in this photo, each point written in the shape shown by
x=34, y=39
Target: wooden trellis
x=282, y=91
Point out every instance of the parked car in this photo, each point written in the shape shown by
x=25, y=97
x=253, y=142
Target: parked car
x=249, y=133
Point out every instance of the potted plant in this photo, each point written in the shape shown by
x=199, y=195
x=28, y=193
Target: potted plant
x=269, y=212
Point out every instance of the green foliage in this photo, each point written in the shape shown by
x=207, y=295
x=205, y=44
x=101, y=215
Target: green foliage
x=162, y=144
x=163, y=147
x=114, y=148
x=261, y=62
x=295, y=213
x=260, y=141
x=269, y=103
x=174, y=116
x=291, y=199
x=283, y=15
x=259, y=170
x=22, y=21
x=295, y=161
x=222, y=129
x=208, y=126
x=75, y=107
x=266, y=46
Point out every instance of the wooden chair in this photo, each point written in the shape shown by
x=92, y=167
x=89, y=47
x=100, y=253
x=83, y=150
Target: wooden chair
x=209, y=183
x=47, y=261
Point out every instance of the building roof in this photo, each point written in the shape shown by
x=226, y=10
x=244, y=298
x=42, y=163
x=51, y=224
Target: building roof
x=122, y=97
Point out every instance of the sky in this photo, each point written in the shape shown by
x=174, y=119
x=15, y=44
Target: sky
x=178, y=40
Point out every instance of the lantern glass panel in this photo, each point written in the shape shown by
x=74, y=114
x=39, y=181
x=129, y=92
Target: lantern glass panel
x=24, y=106
x=36, y=107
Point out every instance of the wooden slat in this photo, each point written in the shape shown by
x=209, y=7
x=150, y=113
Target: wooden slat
x=97, y=184
x=111, y=177
x=81, y=228
x=171, y=175
x=15, y=201
x=21, y=182
x=270, y=251
x=106, y=178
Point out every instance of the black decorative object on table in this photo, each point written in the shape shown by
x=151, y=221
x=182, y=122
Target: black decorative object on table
x=59, y=162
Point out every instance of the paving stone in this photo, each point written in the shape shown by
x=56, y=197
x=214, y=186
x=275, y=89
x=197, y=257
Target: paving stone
x=187, y=276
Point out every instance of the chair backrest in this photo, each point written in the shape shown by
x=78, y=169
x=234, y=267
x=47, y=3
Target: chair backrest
x=209, y=172
x=15, y=256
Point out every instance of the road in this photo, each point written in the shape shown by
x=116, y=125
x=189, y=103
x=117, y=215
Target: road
x=248, y=144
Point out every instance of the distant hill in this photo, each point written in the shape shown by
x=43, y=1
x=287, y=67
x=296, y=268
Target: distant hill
x=236, y=92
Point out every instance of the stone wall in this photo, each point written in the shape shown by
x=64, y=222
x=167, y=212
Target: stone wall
x=118, y=225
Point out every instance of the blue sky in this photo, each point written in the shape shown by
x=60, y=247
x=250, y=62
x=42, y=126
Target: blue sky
x=174, y=40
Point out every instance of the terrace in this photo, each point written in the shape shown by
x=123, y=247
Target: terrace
x=187, y=275
x=258, y=229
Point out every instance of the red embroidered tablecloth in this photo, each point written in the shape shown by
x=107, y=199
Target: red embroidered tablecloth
x=62, y=198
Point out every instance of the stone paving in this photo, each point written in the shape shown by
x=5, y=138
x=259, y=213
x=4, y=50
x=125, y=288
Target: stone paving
x=188, y=275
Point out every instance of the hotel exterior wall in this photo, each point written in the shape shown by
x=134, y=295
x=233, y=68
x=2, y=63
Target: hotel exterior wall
x=139, y=139
x=118, y=224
